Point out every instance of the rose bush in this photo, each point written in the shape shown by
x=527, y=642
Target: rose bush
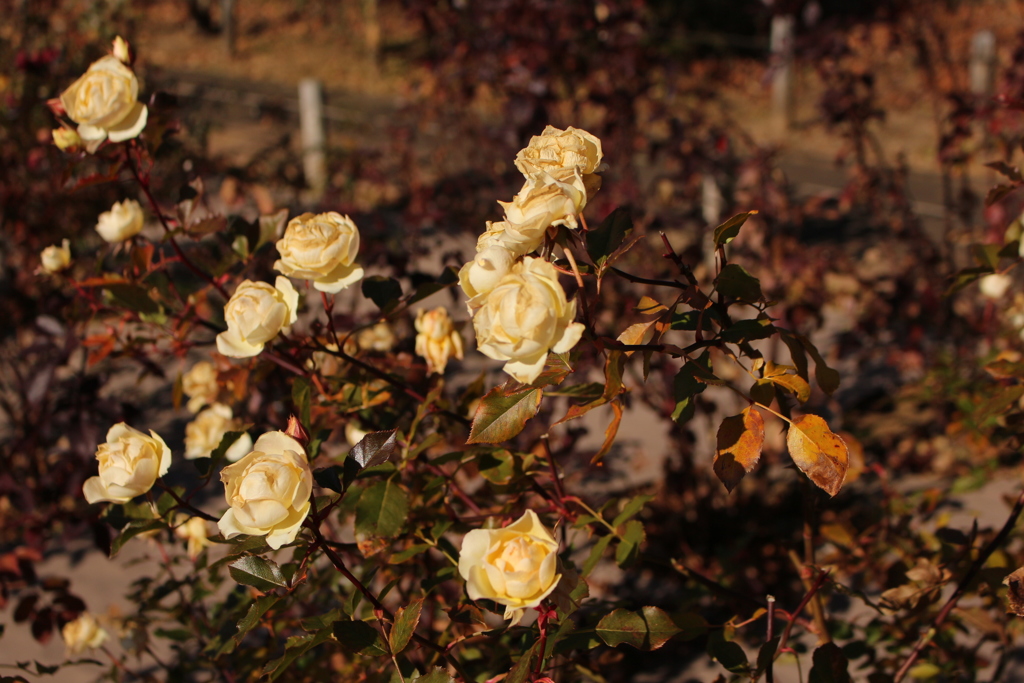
x=268, y=491
x=130, y=463
x=255, y=314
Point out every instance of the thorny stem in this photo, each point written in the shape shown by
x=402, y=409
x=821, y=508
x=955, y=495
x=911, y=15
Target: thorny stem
x=670, y=253
x=313, y=524
x=815, y=587
x=646, y=280
x=544, y=614
x=961, y=588
x=555, y=476
x=183, y=504
x=144, y=184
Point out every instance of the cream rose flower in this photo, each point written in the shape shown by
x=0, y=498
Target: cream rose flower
x=437, y=339
x=478, y=277
x=380, y=338
x=542, y=202
x=55, y=259
x=524, y=317
x=995, y=285
x=65, y=138
x=194, y=533
x=83, y=633
x=200, y=385
x=268, y=491
x=515, y=566
x=255, y=314
x=124, y=220
x=322, y=248
x=104, y=103
x=554, y=149
x=130, y=463
x=204, y=434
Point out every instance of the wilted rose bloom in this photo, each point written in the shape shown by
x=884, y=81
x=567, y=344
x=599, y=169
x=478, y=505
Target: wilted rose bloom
x=554, y=149
x=200, y=385
x=322, y=248
x=124, y=220
x=544, y=201
x=995, y=285
x=130, y=463
x=437, y=339
x=255, y=314
x=515, y=566
x=204, y=434
x=104, y=103
x=379, y=338
x=65, y=138
x=478, y=277
x=83, y=633
x=194, y=532
x=524, y=317
x=55, y=259
x=268, y=491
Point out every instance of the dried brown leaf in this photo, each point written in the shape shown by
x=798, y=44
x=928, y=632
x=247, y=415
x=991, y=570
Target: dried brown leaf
x=740, y=440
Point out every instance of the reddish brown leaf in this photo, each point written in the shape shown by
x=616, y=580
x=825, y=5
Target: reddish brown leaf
x=609, y=433
x=819, y=453
x=740, y=440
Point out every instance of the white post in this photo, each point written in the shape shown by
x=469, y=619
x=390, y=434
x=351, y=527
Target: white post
x=311, y=120
x=983, y=63
x=783, y=30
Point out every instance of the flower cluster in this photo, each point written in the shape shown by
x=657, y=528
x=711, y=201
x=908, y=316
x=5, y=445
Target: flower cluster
x=520, y=309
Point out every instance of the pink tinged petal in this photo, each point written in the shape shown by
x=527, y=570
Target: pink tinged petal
x=131, y=125
x=232, y=345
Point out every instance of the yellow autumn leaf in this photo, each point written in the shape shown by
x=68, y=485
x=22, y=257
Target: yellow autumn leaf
x=740, y=440
x=819, y=453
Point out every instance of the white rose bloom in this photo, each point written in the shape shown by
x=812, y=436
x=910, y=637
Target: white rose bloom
x=194, y=533
x=995, y=285
x=544, y=201
x=268, y=491
x=200, y=385
x=437, y=339
x=104, y=103
x=524, y=317
x=555, y=148
x=124, y=220
x=479, y=276
x=204, y=434
x=55, y=259
x=83, y=633
x=322, y=248
x=255, y=314
x=130, y=463
x=515, y=566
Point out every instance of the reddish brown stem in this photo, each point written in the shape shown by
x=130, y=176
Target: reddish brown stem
x=815, y=587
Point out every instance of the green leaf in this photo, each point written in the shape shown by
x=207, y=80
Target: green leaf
x=302, y=391
x=734, y=281
x=382, y=509
x=252, y=618
x=595, y=554
x=449, y=276
x=503, y=412
x=133, y=529
x=132, y=297
x=358, y=637
x=606, y=238
x=520, y=671
x=497, y=466
x=727, y=653
x=435, y=676
x=685, y=389
x=376, y=448
x=406, y=620
x=748, y=331
x=295, y=647
x=253, y=570
x=827, y=378
x=725, y=232
x=648, y=629
x=635, y=505
x=829, y=665
x=329, y=478
x=383, y=291
x=763, y=391
x=629, y=546
x=766, y=655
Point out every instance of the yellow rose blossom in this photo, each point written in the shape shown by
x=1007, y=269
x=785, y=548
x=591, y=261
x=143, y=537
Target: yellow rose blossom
x=516, y=566
x=124, y=220
x=54, y=259
x=268, y=491
x=322, y=248
x=437, y=339
x=200, y=385
x=82, y=634
x=255, y=314
x=555, y=149
x=104, y=103
x=204, y=434
x=524, y=317
x=193, y=532
x=130, y=463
